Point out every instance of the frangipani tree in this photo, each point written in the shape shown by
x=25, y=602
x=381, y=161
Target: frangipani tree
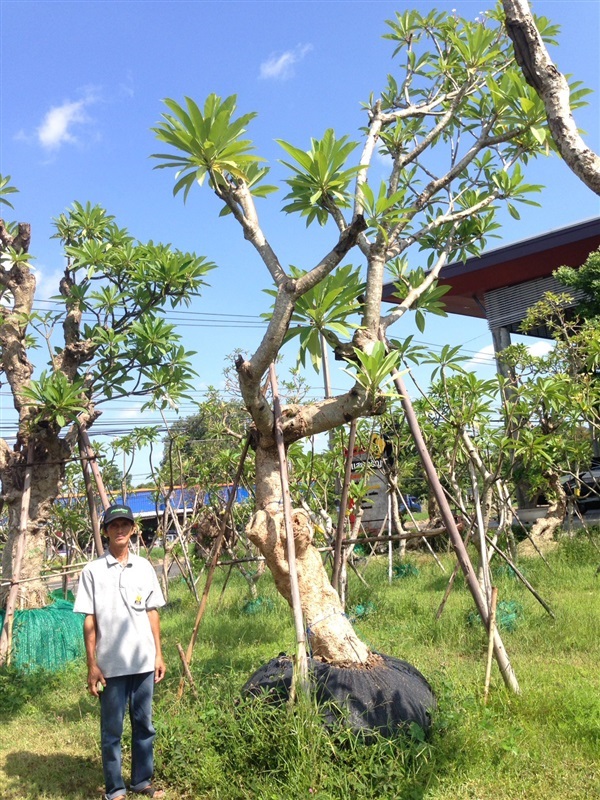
x=455, y=123
x=107, y=338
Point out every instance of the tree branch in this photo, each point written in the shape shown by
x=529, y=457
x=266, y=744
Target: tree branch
x=553, y=89
x=241, y=203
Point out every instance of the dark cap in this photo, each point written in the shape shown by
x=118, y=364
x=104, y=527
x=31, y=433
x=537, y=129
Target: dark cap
x=117, y=511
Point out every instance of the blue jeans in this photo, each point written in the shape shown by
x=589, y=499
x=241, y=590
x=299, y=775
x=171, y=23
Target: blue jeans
x=135, y=691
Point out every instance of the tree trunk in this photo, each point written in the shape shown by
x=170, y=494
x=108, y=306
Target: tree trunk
x=330, y=635
x=552, y=87
x=546, y=527
x=47, y=476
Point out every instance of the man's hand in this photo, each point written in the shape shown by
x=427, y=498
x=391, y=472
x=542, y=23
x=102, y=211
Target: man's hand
x=95, y=678
x=159, y=669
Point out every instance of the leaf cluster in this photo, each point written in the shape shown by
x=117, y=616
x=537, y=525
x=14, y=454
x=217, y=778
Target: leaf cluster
x=324, y=310
x=321, y=179
x=211, y=139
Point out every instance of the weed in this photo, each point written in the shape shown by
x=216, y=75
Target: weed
x=542, y=744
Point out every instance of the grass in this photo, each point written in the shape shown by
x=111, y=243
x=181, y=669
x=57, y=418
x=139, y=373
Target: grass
x=543, y=744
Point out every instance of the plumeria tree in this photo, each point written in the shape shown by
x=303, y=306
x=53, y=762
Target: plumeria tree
x=456, y=122
x=553, y=88
x=106, y=338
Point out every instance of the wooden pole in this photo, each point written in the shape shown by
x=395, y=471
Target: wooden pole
x=301, y=672
x=485, y=564
x=450, y=584
x=341, y=524
x=521, y=577
x=186, y=670
x=213, y=564
x=390, y=543
x=490, y=653
x=462, y=555
x=87, y=446
x=87, y=479
x=13, y=593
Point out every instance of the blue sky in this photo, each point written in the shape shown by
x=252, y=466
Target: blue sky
x=82, y=84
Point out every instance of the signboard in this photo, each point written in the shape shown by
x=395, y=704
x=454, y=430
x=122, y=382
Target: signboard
x=370, y=462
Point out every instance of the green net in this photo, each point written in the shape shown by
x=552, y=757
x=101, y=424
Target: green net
x=405, y=570
x=505, y=570
x=257, y=605
x=508, y=615
x=362, y=611
x=46, y=637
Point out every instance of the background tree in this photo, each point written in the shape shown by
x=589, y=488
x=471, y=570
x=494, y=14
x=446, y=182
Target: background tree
x=454, y=123
x=108, y=338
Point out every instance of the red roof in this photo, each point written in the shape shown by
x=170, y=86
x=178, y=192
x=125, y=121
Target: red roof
x=509, y=266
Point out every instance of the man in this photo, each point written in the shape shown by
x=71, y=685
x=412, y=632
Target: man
x=119, y=594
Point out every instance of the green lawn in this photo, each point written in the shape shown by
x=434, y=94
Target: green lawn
x=541, y=745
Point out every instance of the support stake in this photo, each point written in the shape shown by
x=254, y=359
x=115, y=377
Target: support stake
x=301, y=671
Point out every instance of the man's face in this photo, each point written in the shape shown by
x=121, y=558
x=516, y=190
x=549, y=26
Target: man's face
x=119, y=531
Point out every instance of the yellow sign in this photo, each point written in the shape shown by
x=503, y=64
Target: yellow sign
x=377, y=445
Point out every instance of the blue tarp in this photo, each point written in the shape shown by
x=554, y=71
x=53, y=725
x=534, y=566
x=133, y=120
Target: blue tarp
x=148, y=501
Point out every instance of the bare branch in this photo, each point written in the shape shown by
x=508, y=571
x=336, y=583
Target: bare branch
x=416, y=291
x=345, y=243
x=241, y=203
x=553, y=89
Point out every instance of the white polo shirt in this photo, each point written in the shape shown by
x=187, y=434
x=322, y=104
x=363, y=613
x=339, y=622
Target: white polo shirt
x=119, y=596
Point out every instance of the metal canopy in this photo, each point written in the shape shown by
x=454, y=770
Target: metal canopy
x=500, y=285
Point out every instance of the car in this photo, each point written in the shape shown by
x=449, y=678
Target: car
x=584, y=487
x=411, y=503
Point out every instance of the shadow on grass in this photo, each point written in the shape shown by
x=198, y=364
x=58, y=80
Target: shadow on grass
x=57, y=775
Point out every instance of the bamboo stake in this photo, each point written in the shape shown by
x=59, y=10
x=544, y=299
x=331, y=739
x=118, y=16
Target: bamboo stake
x=455, y=537
x=184, y=549
x=450, y=584
x=390, y=543
x=87, y=479
x=490, y=652
x=225, y=582
x=339, y=534
x=92, y=460
x=424, y=539
x=7, y=628
x=300, y=677
x=187, y=671
x=213, y=564
x=485, y=564
x=522, y=578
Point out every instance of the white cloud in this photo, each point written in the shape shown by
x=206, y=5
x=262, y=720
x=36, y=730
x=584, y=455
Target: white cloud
x=132, y=412
x=280, y=66
x=484, y=357
x=126, y=87
x=540, y=348
x=383, y=156
x=487, y=357
x=58, y=123
x=46, y=282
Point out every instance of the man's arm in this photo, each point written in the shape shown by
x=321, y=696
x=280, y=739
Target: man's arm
x=95, y=675
x=159, y=664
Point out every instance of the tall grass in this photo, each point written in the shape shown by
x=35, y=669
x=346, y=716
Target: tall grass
x=541, y=745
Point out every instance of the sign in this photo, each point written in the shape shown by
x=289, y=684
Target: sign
x=369, y=464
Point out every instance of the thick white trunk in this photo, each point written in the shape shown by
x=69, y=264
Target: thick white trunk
x=45, y=485
x=330, y=634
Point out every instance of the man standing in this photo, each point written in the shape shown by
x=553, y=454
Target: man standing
x=119, y=594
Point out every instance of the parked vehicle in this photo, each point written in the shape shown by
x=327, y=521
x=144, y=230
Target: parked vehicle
x=585, y=487
x=411, y=503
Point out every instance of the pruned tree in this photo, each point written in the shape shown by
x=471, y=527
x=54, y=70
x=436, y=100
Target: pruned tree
x=560, y=99
x=454, y=126
x=107, y=338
